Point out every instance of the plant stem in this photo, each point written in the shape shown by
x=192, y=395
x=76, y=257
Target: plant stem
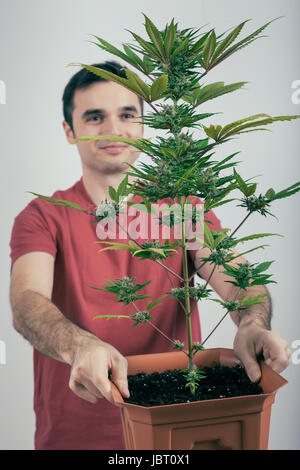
x=186, y=293
x=244, y=220
x=156, y=261
x=219, y=322
x=156, y=327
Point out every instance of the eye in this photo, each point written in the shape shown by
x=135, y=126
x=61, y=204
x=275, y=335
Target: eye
x=95, y=118
x=128, y=115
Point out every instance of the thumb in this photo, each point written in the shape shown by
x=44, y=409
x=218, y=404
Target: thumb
x=119, y=378
x=248, y=359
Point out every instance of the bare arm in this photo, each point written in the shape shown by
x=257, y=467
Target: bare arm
x=260, y=313
x=253, y=336
x=51, y=333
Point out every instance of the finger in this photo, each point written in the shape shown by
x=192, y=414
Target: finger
x=99, y=376
x=119, y=375
x=278, y=359
x=81, y=391
x=248, y=358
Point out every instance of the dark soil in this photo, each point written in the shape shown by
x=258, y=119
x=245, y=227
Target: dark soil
x=169, y=387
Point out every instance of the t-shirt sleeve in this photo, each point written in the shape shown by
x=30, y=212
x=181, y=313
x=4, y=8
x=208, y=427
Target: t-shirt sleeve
x=33, y=230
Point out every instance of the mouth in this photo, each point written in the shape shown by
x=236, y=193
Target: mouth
x=113, y=148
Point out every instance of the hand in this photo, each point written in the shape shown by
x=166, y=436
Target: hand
x=251, y=340
x=89, y=371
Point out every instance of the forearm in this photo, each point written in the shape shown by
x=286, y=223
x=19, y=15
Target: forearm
x=259, y=313
x=45, y=327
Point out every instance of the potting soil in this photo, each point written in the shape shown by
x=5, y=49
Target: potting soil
x=169, y=387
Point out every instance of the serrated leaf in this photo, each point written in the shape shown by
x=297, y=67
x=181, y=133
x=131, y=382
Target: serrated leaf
x=229, y=39
x=294, y=188
x=242, y=184
x=179, y=49
x=169, y=38
x=241, y=44
x=254, y=237
x=236, y=124
x=158, y=87
x=114, y=246
x=133, y=84
x=59, y=202
x=151, y=305
x=209, y=237
x=212, y=91
x=209, y=48
x=263, y=266
x=112, y=193
x=248, y=300
x=107, y=317
x=155, y=36
x=147, y=46
x=138, y=85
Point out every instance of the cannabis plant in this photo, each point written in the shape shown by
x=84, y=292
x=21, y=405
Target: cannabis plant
x=184, y=169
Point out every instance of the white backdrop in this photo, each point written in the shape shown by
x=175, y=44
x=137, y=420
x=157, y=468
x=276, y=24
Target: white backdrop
x=38, y=38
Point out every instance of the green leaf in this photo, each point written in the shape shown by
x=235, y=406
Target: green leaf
x=158, y=87
x=106, y=46
x=138, y=143
x=138, y=84
x=212, y=91
x=59, y=202
x=169, y=38
x=241, y=183
x=294, y=188
x=114, y=246
x=112, y=193
x=209, y=237
x=133, y=82
x=155, y=36
x=155, y=303
x=111, y=316
x=255, y=236
x=122, y=188
x=262, y=266
x=148, y=47
x=209, y=48
x=180, y=48
x=198, y=46
x=234, y=125
x=229, y=39
x=243, y=43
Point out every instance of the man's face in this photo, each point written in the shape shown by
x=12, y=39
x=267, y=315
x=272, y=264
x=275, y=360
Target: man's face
x=105, y=108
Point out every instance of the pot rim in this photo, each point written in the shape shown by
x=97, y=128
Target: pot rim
x=223, y=352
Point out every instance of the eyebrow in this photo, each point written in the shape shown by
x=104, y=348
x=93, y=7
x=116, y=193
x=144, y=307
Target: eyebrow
x=100, y=111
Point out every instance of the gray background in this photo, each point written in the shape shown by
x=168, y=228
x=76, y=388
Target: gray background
x=38, y=39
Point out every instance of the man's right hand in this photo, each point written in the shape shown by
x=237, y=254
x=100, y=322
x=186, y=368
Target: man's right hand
x=91, y=364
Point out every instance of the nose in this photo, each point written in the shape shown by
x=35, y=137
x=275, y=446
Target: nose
x=111, y=126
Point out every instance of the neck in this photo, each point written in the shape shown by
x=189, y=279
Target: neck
x=97, y=184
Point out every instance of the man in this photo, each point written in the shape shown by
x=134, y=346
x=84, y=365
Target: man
x=54, y=263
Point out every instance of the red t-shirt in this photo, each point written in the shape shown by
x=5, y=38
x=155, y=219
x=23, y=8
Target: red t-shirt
x=63, y=420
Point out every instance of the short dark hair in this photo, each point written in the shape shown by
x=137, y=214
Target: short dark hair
x=84, y=79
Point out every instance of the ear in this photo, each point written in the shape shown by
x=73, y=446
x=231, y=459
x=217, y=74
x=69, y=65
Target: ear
x=69, y=133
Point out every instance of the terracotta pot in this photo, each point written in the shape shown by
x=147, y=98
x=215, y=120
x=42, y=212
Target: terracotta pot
x=226, y=423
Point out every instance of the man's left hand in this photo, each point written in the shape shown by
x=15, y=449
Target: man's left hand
x=251, y=340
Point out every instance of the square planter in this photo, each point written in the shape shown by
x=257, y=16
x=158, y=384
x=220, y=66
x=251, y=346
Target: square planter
x=238, y=423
